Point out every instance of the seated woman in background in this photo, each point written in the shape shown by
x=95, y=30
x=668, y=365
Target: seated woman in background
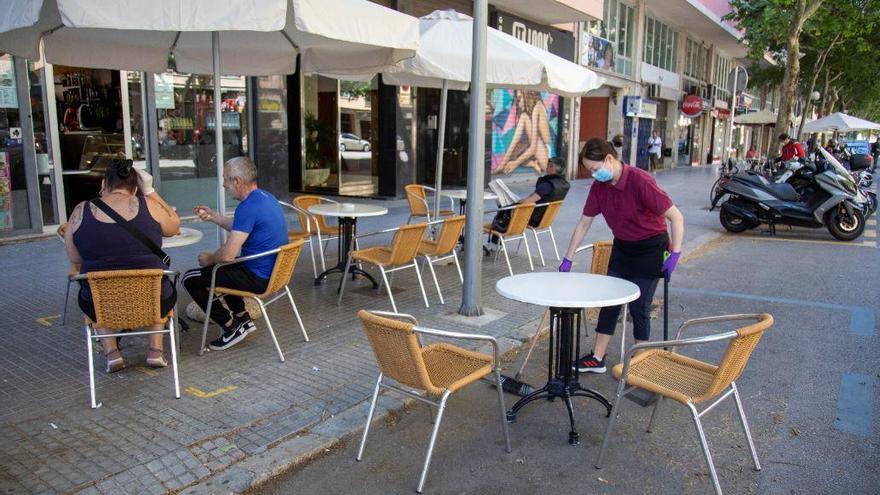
x=95, y=241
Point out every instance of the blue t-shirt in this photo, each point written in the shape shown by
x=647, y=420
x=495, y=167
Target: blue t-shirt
x=260, y=216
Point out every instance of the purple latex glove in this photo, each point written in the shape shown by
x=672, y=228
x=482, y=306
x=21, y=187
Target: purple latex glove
x=669, y=264
x=565, y=266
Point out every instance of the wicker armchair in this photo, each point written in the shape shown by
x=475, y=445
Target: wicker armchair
x=689, y=381
x=285, y=262
x=417, y=198
x=546, y=227
x=304, y=233
x=436, y=370
x=519, y=220
x=71, y=274
x=126, y=299
x=399, y=255
x=443, y=248
x=316, y=224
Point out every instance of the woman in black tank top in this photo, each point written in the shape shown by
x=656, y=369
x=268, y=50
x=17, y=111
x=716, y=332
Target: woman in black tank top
x=97, y=243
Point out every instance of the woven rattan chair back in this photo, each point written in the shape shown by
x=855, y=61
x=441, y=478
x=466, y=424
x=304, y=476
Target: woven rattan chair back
x=126, y=298
x=406, y=242
x=552, y=209
x=601, y=257
x=415, y=196
x=285, y=263
x=304, y=202
x=519, y=219
x=397, y=351
x=450, y=234
x=739, y=349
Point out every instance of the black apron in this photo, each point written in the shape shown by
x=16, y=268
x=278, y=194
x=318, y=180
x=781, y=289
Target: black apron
x=640, y=259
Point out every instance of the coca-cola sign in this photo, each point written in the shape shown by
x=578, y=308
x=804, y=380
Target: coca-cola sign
x=692, y=105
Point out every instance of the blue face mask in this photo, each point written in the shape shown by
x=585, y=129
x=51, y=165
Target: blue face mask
x=603, y=175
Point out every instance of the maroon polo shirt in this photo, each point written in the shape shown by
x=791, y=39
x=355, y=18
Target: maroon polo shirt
x=633, y=208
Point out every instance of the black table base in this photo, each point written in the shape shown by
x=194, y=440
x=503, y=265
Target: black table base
x=562, y=380
x=347, y=233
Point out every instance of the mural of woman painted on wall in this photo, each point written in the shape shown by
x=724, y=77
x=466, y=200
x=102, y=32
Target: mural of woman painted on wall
x=523, y=130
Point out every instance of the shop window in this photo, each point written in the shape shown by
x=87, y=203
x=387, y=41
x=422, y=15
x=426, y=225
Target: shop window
x=187, y=161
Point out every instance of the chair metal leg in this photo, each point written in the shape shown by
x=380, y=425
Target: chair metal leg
x=615, y=412
x=296, y=313
x=91, y=358
x=434, y=431
x=506, y=257
x=66, y=298
x=321, y=248
x=172, y=339
x=388, y=287
x=342, y=283
x=654, y=413
x=207, y=321
x=705, y=445
x=745, y=425
x=553, y=238
x=369, y=418
x=312, y=253
x=528, y=252
x=434, y=276
x=537, y=243
x=457, y=266
x=271, y=330
x=503, y=409
x=421, y=284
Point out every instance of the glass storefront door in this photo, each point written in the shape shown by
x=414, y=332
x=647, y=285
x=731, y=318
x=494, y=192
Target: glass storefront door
x=14, y=206
x=359, y=169
x=320, y=110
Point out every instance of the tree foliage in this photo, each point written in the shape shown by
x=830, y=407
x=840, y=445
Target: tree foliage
x=834, y=41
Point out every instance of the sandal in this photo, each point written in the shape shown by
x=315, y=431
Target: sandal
x=156, y=359
x=114, y=361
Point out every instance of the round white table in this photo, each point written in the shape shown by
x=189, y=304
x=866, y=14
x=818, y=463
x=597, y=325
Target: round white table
x=566, y=294
x=347, y=213
x=186, y=237
x=461, y=196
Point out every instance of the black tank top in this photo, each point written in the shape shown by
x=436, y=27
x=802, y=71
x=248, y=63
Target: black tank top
x=108, y=246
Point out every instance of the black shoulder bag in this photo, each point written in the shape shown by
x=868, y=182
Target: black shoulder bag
x=137, y=234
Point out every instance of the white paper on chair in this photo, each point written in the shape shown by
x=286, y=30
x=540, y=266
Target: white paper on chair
x=506, y=197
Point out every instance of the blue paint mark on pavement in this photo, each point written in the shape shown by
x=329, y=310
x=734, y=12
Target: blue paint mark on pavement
x=861, y=320
x=855, y=401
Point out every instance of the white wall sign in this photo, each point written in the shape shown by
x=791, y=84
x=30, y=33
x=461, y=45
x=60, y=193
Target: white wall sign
x=8, y=95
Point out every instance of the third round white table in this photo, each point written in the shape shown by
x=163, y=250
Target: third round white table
x=461, y=196
x=566, y=294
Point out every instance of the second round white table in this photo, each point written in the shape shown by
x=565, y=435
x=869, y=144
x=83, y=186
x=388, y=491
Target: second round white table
x=347, y=213
x=566, y=294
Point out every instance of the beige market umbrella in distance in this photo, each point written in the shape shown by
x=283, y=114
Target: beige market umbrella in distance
x=241, y=37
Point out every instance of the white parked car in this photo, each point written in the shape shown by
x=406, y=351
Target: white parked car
x=352, y=142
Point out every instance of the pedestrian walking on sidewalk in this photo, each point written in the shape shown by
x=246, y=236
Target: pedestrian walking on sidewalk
x=257, y=226
x=637, y=211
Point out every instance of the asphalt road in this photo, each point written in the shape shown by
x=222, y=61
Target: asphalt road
x=810, y=393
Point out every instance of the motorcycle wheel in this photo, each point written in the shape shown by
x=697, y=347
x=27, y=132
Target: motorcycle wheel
x=845, y=227
x=733, y=223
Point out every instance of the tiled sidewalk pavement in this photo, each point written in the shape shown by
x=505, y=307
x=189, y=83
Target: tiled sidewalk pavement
x=239, y=404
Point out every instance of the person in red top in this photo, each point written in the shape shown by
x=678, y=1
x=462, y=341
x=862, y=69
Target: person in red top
x=636, y=210
x=791, y=149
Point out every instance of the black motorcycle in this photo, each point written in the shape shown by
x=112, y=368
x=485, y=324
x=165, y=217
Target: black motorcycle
x=832, y=200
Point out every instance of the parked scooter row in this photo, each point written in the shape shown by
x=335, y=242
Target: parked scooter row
x=810, y=194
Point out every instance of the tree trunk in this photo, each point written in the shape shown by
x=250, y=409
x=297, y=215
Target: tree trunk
x=802, y=12
x=817, y=69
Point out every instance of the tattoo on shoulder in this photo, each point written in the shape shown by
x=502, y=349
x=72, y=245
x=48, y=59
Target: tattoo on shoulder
x=94, y=209
x=133, y=205
x=75, y=217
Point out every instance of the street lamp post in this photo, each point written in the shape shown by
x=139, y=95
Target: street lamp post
x=733, y=104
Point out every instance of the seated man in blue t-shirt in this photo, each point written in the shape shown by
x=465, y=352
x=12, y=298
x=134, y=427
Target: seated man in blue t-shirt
x=257, y=226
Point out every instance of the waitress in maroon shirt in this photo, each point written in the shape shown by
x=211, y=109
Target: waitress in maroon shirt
x=636, y=210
